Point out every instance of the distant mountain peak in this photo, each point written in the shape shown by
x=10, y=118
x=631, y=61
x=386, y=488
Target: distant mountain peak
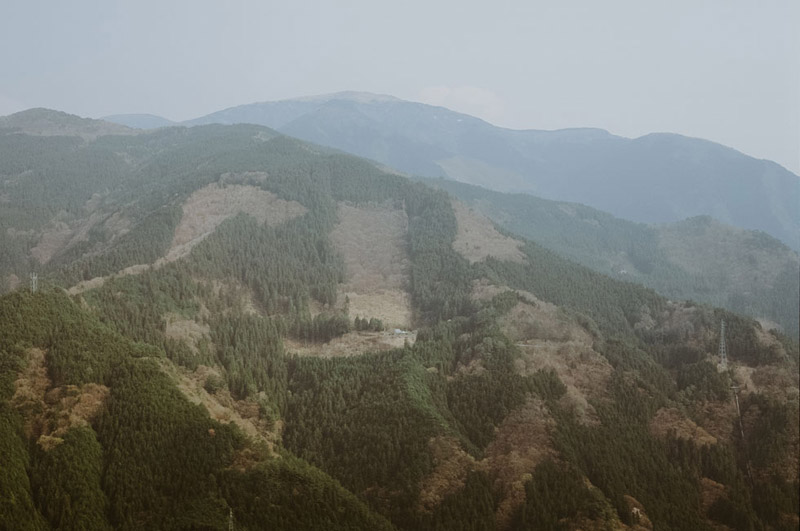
x=348, y=95
x=47, y=122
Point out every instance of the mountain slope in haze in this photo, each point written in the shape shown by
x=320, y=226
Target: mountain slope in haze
x=139, y=121
x=656, y=178
x=699, y=258
x=45, y=122
x=199, y=391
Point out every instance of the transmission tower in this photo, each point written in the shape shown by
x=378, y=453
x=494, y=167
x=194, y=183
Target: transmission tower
x=723, y=353
x=34, y=282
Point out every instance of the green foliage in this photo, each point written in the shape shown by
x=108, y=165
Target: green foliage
x=161, y=453
x=251, y=351
x=702, y=381
x=158, y=461
x=363, y=421
x=17, y=509
x=66, y=480
x=440, y=277
x=469, y=509
x=80, y=348
x=555, y=497
x=684, y=260
x=144, y=244
x=287, y=493
x=372, y=324
x=322, y=328
x=614, y=305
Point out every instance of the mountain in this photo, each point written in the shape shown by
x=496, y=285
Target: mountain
x=699, y=258
x=236, y=328
x=45, y=122
x=656, y=178
x=139, y=121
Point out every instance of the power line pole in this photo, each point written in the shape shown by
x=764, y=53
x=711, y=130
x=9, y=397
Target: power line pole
x=723, y=357
x=723, y=353
x=34, y=282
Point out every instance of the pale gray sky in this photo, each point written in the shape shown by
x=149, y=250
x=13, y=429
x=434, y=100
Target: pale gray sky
x=725, y=70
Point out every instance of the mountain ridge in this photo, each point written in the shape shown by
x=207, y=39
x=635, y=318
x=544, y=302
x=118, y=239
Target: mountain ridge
x=645, y=179
x=531, y=392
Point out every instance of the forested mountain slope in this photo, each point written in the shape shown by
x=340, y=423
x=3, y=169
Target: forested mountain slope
x=656, y=178
x=189, y=386
x=699, y=258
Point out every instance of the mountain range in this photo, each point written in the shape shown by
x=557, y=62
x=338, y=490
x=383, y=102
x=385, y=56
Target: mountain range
x=656, y=178
x=236, y=328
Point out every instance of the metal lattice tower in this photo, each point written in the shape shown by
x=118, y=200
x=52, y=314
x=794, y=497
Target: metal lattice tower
x=34, y=282
x=723, y=353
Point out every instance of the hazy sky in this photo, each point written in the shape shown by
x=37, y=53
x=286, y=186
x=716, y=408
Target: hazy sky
x=726, y=70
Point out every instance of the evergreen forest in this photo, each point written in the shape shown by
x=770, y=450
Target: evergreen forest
x=139, y=391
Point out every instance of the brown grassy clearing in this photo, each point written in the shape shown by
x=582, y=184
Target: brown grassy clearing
x=220, y=405
x=203, y=212
x=671, y=422
x=551, y=339
x=477, y=238
x=187, y=330
x=351, y=344
x=372, y=240
x=521, y=442
x=451, y=465
x=209, y=206
x=50, y=411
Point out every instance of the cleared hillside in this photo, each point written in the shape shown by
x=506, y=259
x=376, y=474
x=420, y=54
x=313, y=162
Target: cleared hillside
x=699, y=259
x=657, y=178
x=536, y=393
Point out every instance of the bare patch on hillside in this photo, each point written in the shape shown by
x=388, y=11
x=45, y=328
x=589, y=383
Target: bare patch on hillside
x=669, y=422
x=60, y=236
x=203, y=212
x=641, y=522
x=522, y=441
x=29, y=391
x=51, y=242
x=451, y=465
x=710, y=493
x=351, y=344
x=550, y=339
x=188, y=331
x=717, y=418
x=477, y=238
x=209, y=206
x=12, y=281
x=73, y=405
x=49, y=412
x=776, y=381
x=221, y=406
x=372, y=239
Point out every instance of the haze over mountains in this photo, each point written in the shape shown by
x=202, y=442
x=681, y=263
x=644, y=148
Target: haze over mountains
x=699, y=259
x=656, y=178
x=208, y=347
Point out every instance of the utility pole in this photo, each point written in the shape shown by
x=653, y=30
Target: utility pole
x=34, y=282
